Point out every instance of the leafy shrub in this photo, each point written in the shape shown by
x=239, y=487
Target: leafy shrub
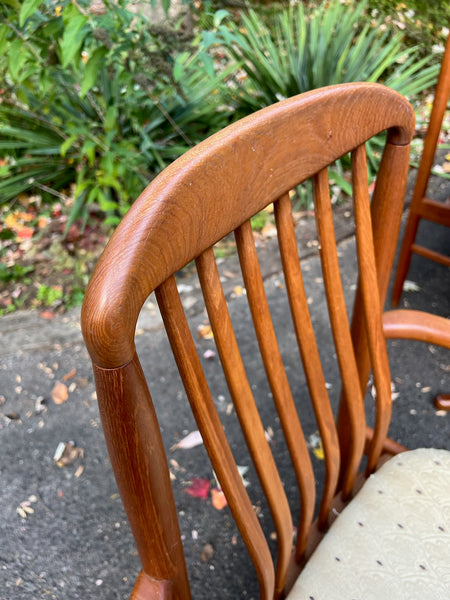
x=299, y=49
x=96, y=96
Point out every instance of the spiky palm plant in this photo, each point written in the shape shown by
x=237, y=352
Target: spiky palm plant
x=300, y=49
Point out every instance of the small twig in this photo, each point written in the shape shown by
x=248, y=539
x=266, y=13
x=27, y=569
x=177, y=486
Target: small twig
x=81, y=9
x=171, y=121
x=24, y=39
x=50, y=190
x=95, y=106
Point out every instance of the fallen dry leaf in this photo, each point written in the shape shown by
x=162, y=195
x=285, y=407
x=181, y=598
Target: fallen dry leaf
x=24, y=509
x=208, y=552
x=205, y=332
x=315, y=443
x=69, y=375
x=199, y=488
x=319, y=452
x=229, y=274
x=47, y=314
x=13, y=416
x=67, y=453
x=218, y=499
x=410, y=286
x=25, y=233
x=269, y=433
x=190, y=441
x=60, y=393
x=269, y=231
x=79, y=471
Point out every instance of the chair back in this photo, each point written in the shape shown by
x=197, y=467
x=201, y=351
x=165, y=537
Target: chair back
x=212, y=190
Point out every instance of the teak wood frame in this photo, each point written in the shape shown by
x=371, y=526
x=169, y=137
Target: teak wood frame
x=211, y=191
x=421, y=206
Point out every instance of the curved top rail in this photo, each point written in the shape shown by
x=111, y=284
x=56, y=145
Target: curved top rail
x=250, y=163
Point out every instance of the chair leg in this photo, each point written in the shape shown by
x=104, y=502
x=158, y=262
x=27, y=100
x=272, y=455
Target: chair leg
x=442, y=402
x=423, y=173
x=405, y=257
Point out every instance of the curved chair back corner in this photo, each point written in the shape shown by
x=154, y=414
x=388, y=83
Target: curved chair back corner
x=211, y=191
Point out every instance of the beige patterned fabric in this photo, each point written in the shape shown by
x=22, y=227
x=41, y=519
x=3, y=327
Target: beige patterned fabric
x=392, y=542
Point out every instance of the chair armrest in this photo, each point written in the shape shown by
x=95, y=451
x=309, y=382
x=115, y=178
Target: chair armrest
x=147, y=588
x=417, y=325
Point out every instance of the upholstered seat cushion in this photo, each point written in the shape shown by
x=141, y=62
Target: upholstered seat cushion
x=392, y=542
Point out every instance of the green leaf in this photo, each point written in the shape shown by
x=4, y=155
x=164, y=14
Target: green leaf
x=91, y=70
x=178, y=67
x=72, y=39
x=27, y=9
x=345, y=185
x=219, y=16
x=16, y=59
x=14, y=3
x=111, y=119
x=108, y=205
x=67, y=144
x=88, y=150
x=4, y=30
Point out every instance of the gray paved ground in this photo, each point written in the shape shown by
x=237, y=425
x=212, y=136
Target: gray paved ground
x=76, y=543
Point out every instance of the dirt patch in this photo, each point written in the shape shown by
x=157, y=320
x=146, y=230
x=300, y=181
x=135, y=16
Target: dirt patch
x=44, y=266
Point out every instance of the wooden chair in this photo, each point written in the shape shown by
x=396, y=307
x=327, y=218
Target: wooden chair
x=421, y=206
x=212, y=190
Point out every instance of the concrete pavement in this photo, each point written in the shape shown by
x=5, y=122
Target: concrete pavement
x=63, y=531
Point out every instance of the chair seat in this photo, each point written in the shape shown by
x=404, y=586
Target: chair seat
x=392, y=541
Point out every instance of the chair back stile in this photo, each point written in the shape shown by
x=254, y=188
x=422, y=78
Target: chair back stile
x=210, y=192
x=386, y=212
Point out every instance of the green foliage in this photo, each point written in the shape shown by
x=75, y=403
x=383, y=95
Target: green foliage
x=301, y=48
x=75, y=299
x=96, y=97
x=48, y=295
x=298, y=49
x=13, y=272
x=260, y=220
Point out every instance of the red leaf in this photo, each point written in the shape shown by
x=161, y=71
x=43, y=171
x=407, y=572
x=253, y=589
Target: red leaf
x=199, y=488
x=60, y=393
x=218, y=499
x=25, y=233
x=47, y=314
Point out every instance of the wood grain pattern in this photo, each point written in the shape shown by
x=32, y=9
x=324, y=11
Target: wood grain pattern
x=247, y=411
x=265, y=153
x=386, y=211
x=138, y=458
x=314, y=376
x=213, y=435
x=210, y=192
x=340, y=326
x=421, y=206
x=417, y=325
x=372, y=308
